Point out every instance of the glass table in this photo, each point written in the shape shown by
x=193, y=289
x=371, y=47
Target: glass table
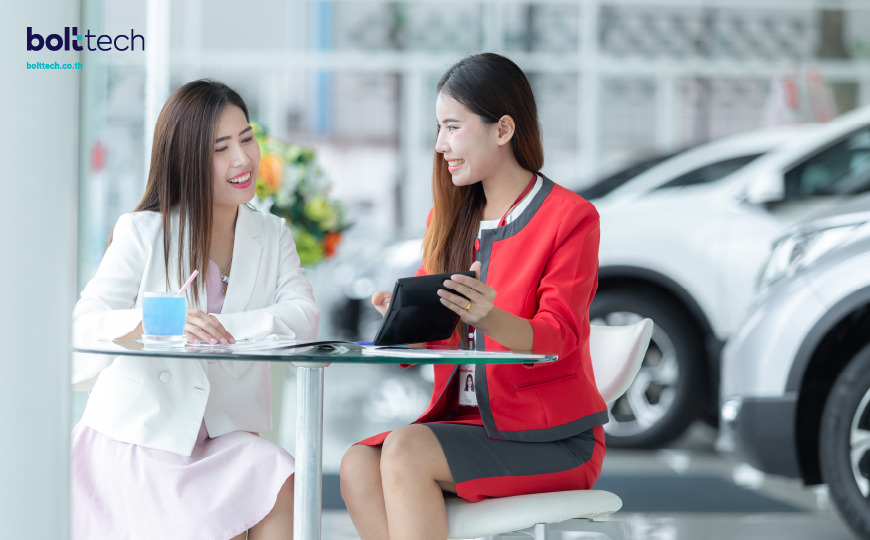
x=310, y=360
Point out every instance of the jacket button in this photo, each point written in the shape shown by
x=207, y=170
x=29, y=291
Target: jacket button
x=164, y=377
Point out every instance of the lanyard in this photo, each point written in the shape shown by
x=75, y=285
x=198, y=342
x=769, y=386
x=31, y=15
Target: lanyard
x=501, y=222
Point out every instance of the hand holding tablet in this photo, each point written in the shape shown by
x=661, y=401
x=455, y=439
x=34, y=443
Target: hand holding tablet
x=416, y=314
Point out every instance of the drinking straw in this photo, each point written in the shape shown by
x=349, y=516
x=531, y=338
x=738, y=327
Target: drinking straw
x=186, y=283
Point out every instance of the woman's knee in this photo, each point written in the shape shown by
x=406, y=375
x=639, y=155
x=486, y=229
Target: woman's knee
x=359, y=470
x=360, y=459
x=407, y=451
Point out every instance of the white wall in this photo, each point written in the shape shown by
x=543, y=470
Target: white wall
x=39, y=152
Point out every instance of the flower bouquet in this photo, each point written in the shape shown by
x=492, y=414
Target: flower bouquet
x=291, y=185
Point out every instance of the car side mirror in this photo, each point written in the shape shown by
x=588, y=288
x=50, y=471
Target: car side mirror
x=765, y=187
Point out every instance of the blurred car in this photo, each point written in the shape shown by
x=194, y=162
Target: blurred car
x=796, y=375
x=353, y=316
x=701, y=164
x=684, y=248
x=687, y=255
x=616, y=179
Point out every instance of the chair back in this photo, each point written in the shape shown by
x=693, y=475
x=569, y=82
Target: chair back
x=617, y=354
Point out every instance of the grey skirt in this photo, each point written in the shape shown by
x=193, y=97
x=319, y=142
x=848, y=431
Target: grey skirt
x=483, y=467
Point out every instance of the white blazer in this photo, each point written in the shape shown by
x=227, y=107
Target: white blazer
x=161, y=402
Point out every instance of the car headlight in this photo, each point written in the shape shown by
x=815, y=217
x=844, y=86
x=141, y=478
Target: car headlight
x=799, y=250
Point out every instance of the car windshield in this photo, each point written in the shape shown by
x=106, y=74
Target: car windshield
x=854, y=184
x=613, y=181
x=842, y=168
x=711, y=173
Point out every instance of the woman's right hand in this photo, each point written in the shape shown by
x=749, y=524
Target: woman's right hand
x=381, y=301
x=201, y=327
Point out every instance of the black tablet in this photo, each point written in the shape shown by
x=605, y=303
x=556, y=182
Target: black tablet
x=416, y=314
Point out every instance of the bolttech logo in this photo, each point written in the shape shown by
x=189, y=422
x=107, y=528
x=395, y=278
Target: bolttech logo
x=72, y=40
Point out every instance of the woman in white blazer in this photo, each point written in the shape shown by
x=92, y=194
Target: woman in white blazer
x=168, y=448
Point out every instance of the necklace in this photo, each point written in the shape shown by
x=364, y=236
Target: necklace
x=224, y=276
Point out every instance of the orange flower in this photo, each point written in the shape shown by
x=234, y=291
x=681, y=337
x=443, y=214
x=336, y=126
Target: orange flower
x=330, y=243
x=271, y=171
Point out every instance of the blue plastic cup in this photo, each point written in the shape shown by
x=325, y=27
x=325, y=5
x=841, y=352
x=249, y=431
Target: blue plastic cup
x=163, y=317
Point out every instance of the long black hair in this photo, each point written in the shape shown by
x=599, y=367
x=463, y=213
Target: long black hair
x=490, y=86
x=181, y=170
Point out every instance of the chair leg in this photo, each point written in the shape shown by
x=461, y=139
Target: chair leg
x=542, y=531
x=615, y=530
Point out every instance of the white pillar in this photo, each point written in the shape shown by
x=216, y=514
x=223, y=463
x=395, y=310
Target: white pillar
x=156, y=70
x=864, y=89
x=667, y=105
x=40, y=149
x=416, y=153
x=590, y=90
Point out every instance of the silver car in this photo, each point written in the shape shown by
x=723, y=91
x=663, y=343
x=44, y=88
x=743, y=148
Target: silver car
x=795, y=387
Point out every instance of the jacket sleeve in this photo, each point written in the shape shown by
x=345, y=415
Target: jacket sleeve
x=294, y=314
x=568, y=284
x=105, y=309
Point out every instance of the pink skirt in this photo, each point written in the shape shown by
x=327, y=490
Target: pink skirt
x=125, y=491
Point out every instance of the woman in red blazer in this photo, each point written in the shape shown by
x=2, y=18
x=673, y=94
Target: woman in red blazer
x=511, y=429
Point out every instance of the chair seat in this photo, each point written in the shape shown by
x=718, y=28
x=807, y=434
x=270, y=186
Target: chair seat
x=507, y=514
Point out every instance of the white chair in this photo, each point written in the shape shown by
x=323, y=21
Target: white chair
x=617, y=353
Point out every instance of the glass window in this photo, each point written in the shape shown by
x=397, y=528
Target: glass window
x=843, y=168
x=710, y=173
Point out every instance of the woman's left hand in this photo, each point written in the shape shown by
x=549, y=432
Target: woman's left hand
x=480, y=296
x=204, y=328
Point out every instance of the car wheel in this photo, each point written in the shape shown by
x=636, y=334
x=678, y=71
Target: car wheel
x=844, y=445
x=667, y=394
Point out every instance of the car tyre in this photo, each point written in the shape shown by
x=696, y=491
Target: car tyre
x=668, y=392
x=844, y=445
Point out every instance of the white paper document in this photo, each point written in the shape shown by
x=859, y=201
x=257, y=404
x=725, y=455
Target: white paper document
x=407, y=352
x=245, y=344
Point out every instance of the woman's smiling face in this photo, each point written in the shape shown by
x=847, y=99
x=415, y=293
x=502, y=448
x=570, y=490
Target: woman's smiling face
x=468, y=144
x=236, y=158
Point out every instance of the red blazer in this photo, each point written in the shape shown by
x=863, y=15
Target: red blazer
x=544, y=267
